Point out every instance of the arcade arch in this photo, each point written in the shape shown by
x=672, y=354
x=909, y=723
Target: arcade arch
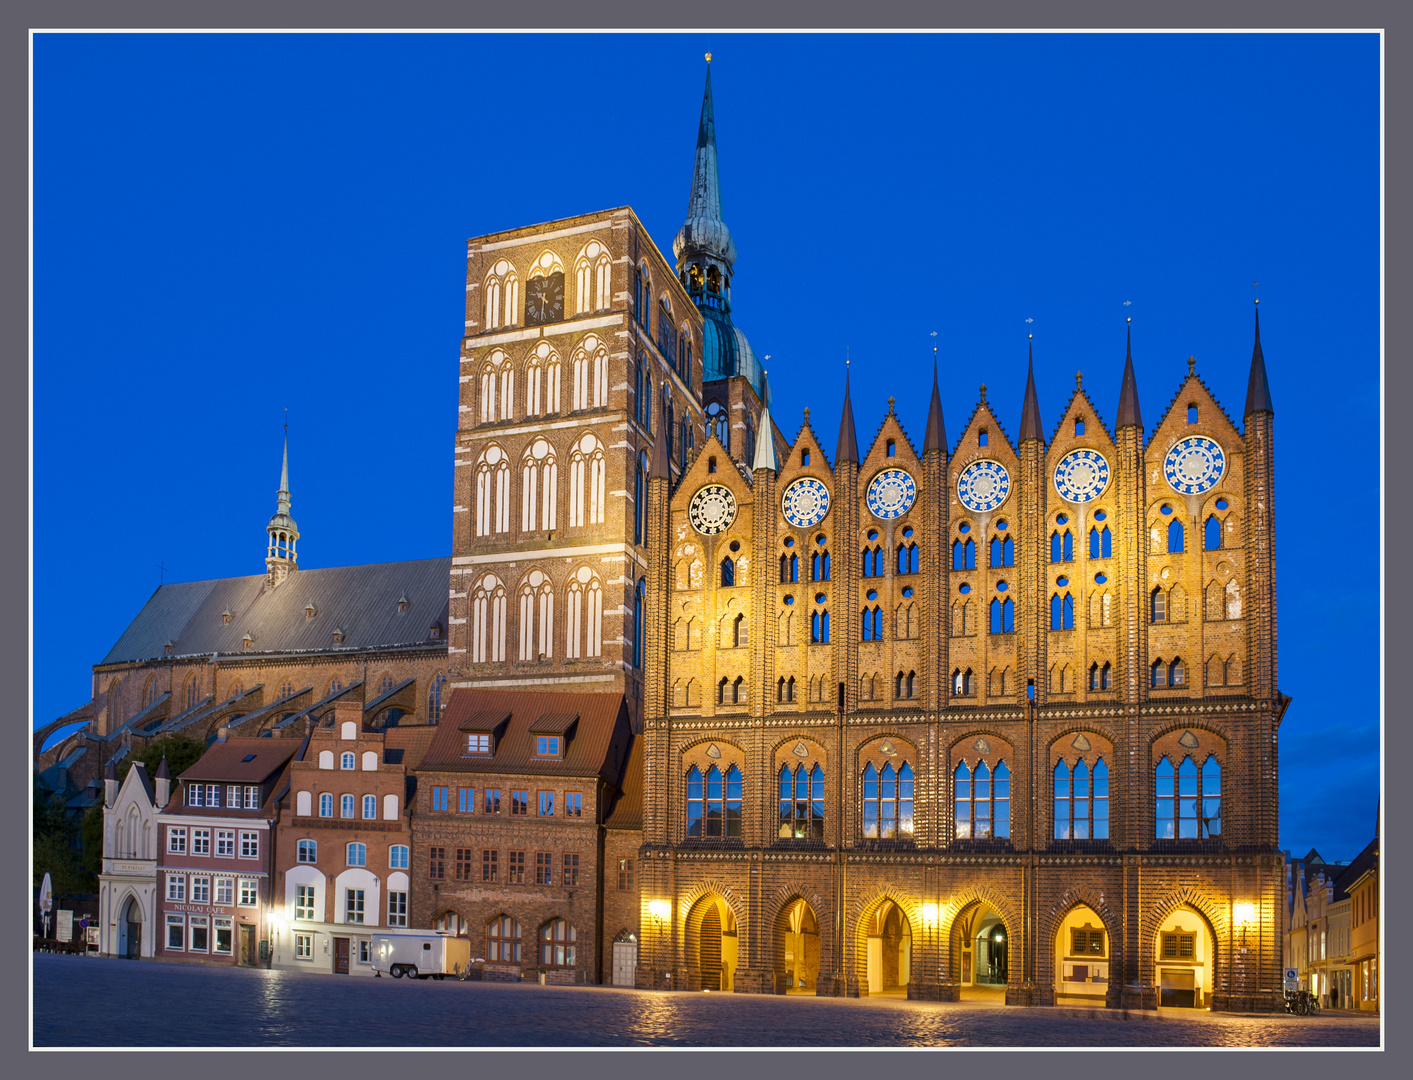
x=712, y=948
x=981, y=953
x=1082, y=958
x=797, y=949
x=888, y=938
x=1184, y=957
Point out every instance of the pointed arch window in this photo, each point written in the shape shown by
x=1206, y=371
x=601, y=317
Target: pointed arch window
x=640, y=502
x=1175, y=543
x=801, y=803
x=586, y=482
x=1003, y=551
x=640, y=596
x=583, y=615
x=592, y=271
x=907, y=559
x=888, y=802
x=1003, y=616
x=1158, y=606
x=539, y=484
x=1062, y=611
x=1212, y=534
x=819, y=627
x=502, y=288
x=536, y=617
x=488, y=620
x=789, y=569
x=718, y=425
x=873, y=561
x=434, y=698
x=904, y=685
x=982, y=801
x=819, y=566
x=492, y=492
x=871, y=624
x=1101, y=543
x=963, y=683
x=1061, y=546
x=964, y=555
x=728, y=572
x=714, y=802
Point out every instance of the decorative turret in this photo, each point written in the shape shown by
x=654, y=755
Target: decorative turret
x=163, y=779
x=1030, y=411
x=1258, y=390
x=706, y=259
x=1129, y=413
x=765, y=441
x=281, y=559
x=848, y=450
x=110, y=784
x=935, y=438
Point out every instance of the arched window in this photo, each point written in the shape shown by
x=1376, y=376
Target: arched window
x=1003, y=551
x=739, y=635
x=191, y=694
x=964, y=555
x=640, y=593
x=1175, y=537
x=1100, y=543
x=1159, y=675
x=503, y=940
x=640, y=500
x=1061, y=546
x=434, y=698
x=370, y=807
x=888, y=802
x=714, y=802
x=586, y=482
x=583, y=614
x=728, y=572
x=492, y=492
x=557, y=947
x=1164, y=789
x=907, y=559
x=1081, y=801
x=592, y=271
x=666, y=330
x=502, y=288
x=789, y=569
x=347, y=760
x=539, y=483
x=1158, y=606
x=357, y=854
x=1177, y=674
x=346, y=806
x=1003, y=616
x=536, y=617
x=1212, y=534
x=963, y=684
x=982, y=803
x=326, y=804
x=801, y=803
x=718, y=425
x=819, y=627
x=1211, y=818
x=873, y=561
x=488, y=620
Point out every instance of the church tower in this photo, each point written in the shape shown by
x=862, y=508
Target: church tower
x=281, y=560
x=733, y=381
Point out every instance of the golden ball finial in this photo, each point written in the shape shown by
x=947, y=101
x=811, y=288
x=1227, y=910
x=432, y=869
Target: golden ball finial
x=1129, y=319
x=708, y=58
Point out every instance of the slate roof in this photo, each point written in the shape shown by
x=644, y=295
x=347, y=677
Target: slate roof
x=602, y=728
x=360, y=600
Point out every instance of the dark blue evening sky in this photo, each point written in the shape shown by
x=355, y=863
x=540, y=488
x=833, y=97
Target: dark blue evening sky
x=227, y=225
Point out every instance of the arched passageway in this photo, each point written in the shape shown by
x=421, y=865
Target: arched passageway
x=889, y=941
x=1183, y=961
x=797, y=949
x=711, y=944
x=1082, y=958
x=130, y=929
x=981, y=954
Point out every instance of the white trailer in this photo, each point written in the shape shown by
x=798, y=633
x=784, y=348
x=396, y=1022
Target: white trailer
x=420, y=955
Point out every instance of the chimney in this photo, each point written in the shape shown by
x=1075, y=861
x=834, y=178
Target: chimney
x=163, y=784
x=110, y=785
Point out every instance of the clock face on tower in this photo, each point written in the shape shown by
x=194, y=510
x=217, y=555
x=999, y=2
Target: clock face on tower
x=1194, y=465
x=712, y=509
x=544, y=299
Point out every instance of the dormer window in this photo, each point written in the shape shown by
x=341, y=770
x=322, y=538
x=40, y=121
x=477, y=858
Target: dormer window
x=478, y=742
x=403, y=603
x=226, y=616
x=169, y=648
x=548, y=745
x=247, y=643
x=435, y=632
x=338, y=637
x=310, y=610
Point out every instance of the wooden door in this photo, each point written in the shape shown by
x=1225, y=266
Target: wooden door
x=625, y=963
x=247, y=945
x=710, y=948
x=340, y=956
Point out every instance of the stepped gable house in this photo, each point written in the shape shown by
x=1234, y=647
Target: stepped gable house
x=987, y=715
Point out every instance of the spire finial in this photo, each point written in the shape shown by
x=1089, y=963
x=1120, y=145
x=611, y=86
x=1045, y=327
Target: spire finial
x=891, y=402
x=983, y=392
x=1079, y=380
x=1129, y=414
x=1030, y=409
x=1258, y=389
x=708, y=56
x=807, y=416
x=848, y=449
x=1191, y=364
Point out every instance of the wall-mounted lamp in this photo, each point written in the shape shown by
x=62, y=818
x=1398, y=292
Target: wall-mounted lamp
x=929, y=914
x=1245, y=915
x=660, y=910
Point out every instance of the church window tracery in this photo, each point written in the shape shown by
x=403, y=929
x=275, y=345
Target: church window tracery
x=488, y=620
x=908, y=560
x=1101, y=678
x=871, y=624
x=1062, y=611
x=1003, y=615
x=1003, y=551
x=1081, y=800
x=718, y=425
x=583, y=615
x=887, y=801
x=963, y=555
x=1101, y=543
x=1175, y=540
x=819, y=624
x=1188, y=803
x=592, y=271
x=963, y=683
x=590, y=368
x=904, y=684
x=536, y=617
x=492, y=492
x=801, y=803
x=714, y=802
x=586, y=470
x=789, y=569
x=539, y=487
x=1061, y=546
x=502, y=287
x=982, y=801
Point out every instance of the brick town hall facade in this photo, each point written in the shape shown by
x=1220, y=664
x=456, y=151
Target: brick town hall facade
x=696, y=703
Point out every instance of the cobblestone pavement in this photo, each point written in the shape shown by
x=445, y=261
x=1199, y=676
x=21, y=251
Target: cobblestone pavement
x=83, y=1001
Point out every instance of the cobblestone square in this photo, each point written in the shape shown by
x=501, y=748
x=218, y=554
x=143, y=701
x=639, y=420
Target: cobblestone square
x=81, y=1001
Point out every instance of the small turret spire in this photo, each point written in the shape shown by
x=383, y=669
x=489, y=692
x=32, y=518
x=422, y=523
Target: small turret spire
x=281, y=558
x=765, y=439
x=1129, y=414
x=660, y=466
x=848, y=442
x=1258, y=389
x=1030, y=427
x=935, y=437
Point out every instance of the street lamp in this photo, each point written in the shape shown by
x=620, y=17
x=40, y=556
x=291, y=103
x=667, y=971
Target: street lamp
x=661, y=911
x=1245, y=915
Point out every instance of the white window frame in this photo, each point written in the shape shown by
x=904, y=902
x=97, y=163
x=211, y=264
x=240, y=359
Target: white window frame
x=398, y=857
x=370, y=808
x=219, y=924
x=312, y=846
x=348, y=760
x=348, y=807
x=200, y=889
x=252, y=797
x=362, y=850
x=478, y=743
x=176, y=887
x=249, y=844
x=180, y=922
x=350, y=897
x=232, y=794
x=195, y=794
x=225, y=891
x=326, y=798
x=176, y=839
x=213, y=794
x=195, y=922
x=301, y=909
x=249, y=892
x=304, y=946
x=225, y=843
x=397, y=909
x=201, y=841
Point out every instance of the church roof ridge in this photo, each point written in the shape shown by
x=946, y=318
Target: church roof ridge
x=906, y=437
x=1177, y=396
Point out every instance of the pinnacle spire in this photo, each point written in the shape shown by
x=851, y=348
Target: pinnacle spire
x=1030, y=410
x=283, y=494
x=1129, y=413
x=765, y=441
x=704, y=231
x=660, y=464
x=1258, y=390
x=848, y=442
x=936, y=435
x=280, y=550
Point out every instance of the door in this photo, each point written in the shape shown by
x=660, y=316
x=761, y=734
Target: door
x=625, y=963
x=709, y=953
x=134, y=942
x=247, y=945
x=1177, y=988
x=340, y=956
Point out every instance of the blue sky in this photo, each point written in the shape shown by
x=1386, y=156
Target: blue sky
x=228, y=225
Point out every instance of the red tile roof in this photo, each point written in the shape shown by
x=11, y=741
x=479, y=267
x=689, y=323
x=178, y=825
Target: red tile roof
x=627, y=812
x=226, y=760
x=597, y=748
